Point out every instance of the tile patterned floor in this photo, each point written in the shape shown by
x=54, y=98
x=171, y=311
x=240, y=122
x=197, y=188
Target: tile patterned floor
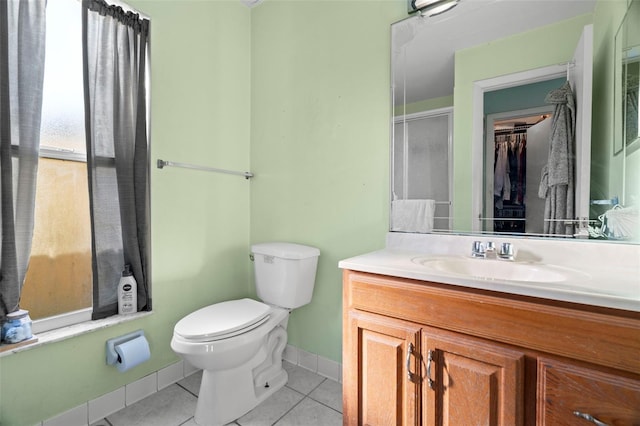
x=306, y=400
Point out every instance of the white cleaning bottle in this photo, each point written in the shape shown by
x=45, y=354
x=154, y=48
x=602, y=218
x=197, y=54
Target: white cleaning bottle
x=127, y=292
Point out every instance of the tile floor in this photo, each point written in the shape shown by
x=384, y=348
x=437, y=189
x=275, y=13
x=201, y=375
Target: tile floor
x=307, y=399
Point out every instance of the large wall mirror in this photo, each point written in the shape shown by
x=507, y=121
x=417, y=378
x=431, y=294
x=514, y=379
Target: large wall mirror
x=503, y=124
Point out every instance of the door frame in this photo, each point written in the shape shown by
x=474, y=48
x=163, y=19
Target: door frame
x=477, y=138
x=488, y=175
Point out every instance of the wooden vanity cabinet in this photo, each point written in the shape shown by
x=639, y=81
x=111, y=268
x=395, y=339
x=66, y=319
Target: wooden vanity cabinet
x=421, y=353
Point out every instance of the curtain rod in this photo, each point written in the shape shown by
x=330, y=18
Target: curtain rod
x=162, y=164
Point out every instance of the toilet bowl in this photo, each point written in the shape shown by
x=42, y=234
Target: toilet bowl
x=239, y=343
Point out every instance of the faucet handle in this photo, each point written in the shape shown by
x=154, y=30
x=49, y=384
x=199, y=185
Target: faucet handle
x=506, y=251
x=477, y=250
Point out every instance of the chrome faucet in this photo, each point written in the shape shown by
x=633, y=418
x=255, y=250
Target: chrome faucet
x=507, y=252
x=488, y=251
x=477, y=250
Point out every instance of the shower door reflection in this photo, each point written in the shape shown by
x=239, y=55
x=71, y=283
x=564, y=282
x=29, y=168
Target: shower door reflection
x=422, y=161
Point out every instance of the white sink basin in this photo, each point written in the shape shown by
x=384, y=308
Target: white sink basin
x=493, y=269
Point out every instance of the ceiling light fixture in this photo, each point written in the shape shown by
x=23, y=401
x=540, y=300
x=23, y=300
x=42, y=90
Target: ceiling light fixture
x=430, y=8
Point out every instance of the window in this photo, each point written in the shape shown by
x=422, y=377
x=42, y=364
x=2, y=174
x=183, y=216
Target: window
x=76, y=253
x=59, y=277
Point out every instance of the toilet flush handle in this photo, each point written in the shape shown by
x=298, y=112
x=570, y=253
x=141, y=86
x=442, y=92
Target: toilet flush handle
x=251, y=257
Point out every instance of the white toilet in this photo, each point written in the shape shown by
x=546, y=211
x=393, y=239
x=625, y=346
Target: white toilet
x=239, y=343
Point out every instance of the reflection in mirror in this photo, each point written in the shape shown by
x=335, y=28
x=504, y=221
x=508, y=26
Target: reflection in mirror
x=516, y=150
x=494, y=68
x=621, y=222
x=557, y=191
x=421, y=198
x=628, y=79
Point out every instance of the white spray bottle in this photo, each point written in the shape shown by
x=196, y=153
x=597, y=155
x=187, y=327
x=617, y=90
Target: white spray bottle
x=127, y=292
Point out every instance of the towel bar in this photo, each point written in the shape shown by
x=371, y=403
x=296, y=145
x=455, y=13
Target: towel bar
x=612, y=202
x=162, y=164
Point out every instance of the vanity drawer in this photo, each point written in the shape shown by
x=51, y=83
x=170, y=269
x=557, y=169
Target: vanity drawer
x=571, y=394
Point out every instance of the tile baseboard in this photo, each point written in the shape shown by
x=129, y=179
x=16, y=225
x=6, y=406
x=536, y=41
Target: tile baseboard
x=97, y=409
x=313, y=362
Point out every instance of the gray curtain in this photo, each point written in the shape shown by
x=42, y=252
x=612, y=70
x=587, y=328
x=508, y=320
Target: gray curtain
x=114, y=51
x=557, y=186
x=22, y=49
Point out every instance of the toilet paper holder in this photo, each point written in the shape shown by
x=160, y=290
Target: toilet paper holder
x=112, y=355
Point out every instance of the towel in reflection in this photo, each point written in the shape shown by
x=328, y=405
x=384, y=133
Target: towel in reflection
x=412, y=215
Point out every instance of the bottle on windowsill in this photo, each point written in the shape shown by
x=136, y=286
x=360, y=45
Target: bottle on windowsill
x=127, y=293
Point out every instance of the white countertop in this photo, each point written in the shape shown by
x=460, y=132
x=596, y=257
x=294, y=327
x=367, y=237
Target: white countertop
x=596, y=281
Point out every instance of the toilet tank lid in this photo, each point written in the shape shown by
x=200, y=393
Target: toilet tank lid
x=285, y=250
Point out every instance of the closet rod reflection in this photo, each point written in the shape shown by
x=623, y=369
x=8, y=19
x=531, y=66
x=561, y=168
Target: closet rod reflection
x=162, y=164
x=512, y=129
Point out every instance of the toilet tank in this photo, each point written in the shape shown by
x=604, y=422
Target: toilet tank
x=285, y=273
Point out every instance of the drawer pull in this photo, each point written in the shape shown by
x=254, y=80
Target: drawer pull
x=411, y=376
x=429, y=361
x=589, y=417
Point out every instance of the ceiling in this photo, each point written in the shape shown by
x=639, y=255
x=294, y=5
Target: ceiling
x=423, y=47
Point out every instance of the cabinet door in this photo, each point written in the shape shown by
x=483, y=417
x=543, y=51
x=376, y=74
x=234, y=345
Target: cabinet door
x=378, y=390
x=469, y=381
x=569, y=394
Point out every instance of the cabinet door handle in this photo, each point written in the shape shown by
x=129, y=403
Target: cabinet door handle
x=429, y=360
x=589, y=417
x=411, y=376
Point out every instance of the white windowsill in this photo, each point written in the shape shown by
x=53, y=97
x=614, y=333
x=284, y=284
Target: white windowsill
x=56, y=322
x=74, y=330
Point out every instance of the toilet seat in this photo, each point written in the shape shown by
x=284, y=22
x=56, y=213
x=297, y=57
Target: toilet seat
x=222, y=320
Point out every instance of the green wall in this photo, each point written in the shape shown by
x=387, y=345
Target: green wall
x=200, y=113
x=320, y=141
x=427, y=105
x=295, y=91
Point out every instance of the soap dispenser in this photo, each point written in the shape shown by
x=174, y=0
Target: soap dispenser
x=127, y=292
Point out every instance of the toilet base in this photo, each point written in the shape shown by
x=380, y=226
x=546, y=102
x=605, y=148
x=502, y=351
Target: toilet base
x=227, y=395
x=231, y=405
